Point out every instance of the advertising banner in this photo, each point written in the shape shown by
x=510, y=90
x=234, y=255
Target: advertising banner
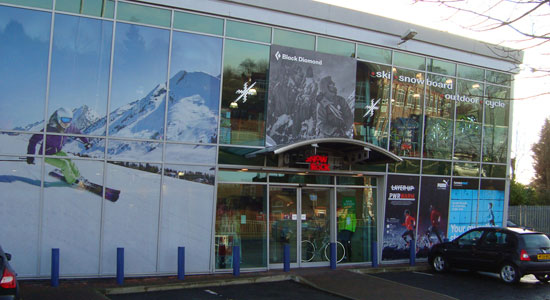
x=463, y=210
x=400, y=216
x=311, y=95
x=433, y=213
x=491, y=203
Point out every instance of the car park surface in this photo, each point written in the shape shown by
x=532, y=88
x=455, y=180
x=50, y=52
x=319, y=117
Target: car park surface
x=511, y=252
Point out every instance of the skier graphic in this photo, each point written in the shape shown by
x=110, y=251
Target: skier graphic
x=60, y=122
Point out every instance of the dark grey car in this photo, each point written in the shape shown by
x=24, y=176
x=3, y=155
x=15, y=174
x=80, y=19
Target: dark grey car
x=511, y=252
x=9, y=288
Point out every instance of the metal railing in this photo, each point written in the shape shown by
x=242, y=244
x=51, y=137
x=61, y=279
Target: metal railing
x=537, y=217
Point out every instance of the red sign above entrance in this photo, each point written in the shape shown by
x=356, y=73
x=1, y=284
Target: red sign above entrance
x=318, y=163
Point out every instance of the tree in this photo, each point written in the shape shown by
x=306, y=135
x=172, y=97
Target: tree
x=522, y=22
x=541, y=157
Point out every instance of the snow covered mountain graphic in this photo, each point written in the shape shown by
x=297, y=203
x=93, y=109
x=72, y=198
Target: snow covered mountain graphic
x=192, y=111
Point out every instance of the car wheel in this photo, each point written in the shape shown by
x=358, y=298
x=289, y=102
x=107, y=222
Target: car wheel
x=509, y=273
x=543, y=278
x=439, y=264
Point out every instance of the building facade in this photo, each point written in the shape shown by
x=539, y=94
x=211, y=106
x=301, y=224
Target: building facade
x=151, y=125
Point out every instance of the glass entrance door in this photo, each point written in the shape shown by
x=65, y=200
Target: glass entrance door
x=315, y=225
x=300, y=218
x=283, y=220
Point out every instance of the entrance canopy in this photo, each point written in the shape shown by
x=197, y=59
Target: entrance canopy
x=348, y=150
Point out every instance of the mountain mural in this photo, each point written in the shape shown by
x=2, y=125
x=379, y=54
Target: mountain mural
x=193, y=107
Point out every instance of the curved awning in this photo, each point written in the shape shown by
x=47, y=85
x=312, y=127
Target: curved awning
x=357, y=151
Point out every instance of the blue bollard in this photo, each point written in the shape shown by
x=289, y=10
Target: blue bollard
x=374, y=251
x=286, y=257
x=412, y=251
x=181, y=263
x=120, y=266
x=236, y=261
x=55, y=267
x=333, y=256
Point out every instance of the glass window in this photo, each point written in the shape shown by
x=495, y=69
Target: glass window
x=237, y=156
x=356, y=222
x=496, y=122
x=143, y=14
x=282, y=223
x=193, y=154
x=192, y=22
x=134, y=150
x=374, y=54
x=337, y=47
x=433, y=167
x=498, y=77
x=78, y=228
x=372, y=97
x=241, y=176
x=32, y=3
x=356, y=180
x=243, y=114
x=135, y=222
x=439, y=117
x=81, y=58
x=24, y=48
x=187, y=202
x=466, y=169
x=470, y=239
x=293, y=39
x=470, y=72
x=70, y=145
x=441, y=67
x=468, y=120
x=498, y=171
x=410, y=166
x=369, y=168
x=22, y=182
x=139, y=82
x=248, y=31
x=194, y=88
x=406, y=112
x=97, y=8
x=301, y=178
x=409, y=61
x=241, y=219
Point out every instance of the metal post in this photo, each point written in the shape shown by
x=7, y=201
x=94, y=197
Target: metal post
x=286, y=257
x=120, y=265
x=412, y=252
x=374, y=251
x=333, y=256
x=236, y=261
x=55, y=267
x=181, y=263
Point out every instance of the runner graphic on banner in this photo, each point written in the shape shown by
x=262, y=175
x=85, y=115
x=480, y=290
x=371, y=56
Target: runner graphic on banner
x=400, y=218
x=433, y=213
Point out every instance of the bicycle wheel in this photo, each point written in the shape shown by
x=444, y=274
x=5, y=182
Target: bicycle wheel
x=308, y=251
x=340, y=252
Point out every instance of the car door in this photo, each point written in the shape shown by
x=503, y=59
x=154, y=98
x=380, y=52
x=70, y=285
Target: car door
x=489, y=250
x=461, y=253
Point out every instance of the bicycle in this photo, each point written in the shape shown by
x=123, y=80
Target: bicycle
x=310, y=251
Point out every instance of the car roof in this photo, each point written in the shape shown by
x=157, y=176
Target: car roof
x=517, y=230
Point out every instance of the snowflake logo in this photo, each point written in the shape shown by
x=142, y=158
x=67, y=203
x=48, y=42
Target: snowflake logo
x=371, y=108
x=247, y=90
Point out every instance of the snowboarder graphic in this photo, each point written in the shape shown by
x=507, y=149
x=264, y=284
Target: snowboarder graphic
x=60, y=122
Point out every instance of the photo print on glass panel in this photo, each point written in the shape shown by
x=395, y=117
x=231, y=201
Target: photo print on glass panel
x=310, y=96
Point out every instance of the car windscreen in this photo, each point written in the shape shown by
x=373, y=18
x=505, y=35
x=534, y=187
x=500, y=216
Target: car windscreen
x=536, y=241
